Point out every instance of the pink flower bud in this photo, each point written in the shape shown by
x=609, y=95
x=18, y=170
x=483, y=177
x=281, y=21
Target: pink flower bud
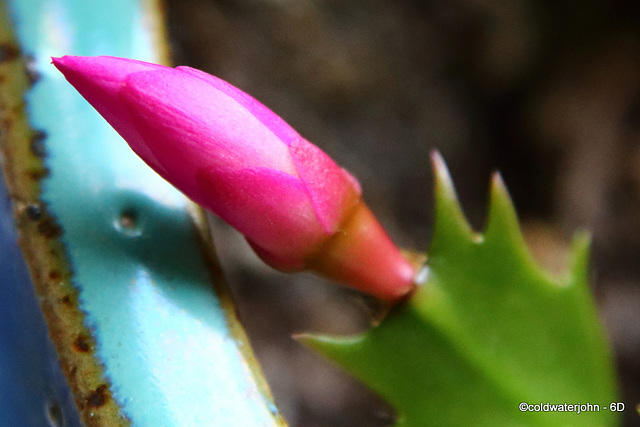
x=232, y=155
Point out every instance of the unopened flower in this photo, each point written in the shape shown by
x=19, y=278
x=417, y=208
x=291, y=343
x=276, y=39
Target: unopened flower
x=235, y=157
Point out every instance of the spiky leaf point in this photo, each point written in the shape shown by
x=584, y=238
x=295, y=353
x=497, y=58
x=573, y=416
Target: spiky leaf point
x=487, y=330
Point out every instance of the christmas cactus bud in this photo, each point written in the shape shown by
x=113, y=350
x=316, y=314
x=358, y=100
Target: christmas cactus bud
x=235, y=157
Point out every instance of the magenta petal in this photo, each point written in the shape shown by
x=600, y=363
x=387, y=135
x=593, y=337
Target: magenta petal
x=234, y=156
x=189, y=125
x=206, y=118
x=106, y=72
x=271, y=120
x=271, y=208
x=99, y=79
x=333, y=191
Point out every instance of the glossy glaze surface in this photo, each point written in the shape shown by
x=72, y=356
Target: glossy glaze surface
x=165, y=339
x=33, y=389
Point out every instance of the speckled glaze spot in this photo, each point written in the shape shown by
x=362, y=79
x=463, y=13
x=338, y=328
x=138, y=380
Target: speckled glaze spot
x=37, y=144
x=82, y=344
x=6, y=124
x=8, y=52
x=33, y=211
x=99, y=397
x=128, y=223
x=49, y=228
x=37, y=174
x=66, y=300
x=54, y=415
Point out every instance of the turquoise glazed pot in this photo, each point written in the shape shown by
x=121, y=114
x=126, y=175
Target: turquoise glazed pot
x=33, y=390
x=121, y=262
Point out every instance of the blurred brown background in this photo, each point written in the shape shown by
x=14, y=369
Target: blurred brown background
x=547, y=92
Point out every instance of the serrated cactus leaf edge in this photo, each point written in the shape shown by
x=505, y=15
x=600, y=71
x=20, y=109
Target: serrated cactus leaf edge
x=487, y=330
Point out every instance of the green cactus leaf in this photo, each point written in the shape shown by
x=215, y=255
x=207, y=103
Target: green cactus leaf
x=487, y=330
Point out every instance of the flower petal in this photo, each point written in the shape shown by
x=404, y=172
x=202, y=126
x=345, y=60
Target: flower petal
x=99, y=79
x=185, y=139
x=333, y=191
x=271, y=120
x=271, y=208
